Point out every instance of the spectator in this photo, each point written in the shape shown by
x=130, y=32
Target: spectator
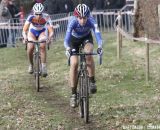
x=4, y=18
x=14, y=21
x=75, y=3
x=98, y=4
x=69, y=4
x=39, y=1
x=22, y=16
x=4, y=12
x=89, y=3
x=120, y=3
x=130, y=2
x=51, y=6
x=65, y=6
x=114, y=4
x=107, y=4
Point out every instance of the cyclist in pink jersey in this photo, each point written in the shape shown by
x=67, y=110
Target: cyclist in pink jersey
x=38, y=26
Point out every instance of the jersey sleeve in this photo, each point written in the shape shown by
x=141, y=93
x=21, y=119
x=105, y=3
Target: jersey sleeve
x=68, y=33
x=48, y=19
x=29, y=19
x=96, y=31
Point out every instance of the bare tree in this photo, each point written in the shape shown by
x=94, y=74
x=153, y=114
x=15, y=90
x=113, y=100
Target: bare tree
x=146, y=19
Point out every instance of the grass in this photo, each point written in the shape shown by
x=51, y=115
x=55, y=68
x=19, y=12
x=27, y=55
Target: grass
x=124, y=100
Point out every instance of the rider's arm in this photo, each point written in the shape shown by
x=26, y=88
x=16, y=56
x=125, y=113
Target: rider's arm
x=25, y=29
x=68, y=34
x=50, y=31
x=66, y=40
x=50, y=27
x=96, y=32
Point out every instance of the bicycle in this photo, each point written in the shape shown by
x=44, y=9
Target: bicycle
x=37, y=62
x=83, y=83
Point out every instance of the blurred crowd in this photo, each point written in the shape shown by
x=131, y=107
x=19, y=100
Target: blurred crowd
x=58, y=6
x=15, y=11
x=9, y=13
x=65, y=6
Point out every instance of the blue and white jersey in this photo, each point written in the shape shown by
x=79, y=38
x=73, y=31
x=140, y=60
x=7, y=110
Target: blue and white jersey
x=78, y=31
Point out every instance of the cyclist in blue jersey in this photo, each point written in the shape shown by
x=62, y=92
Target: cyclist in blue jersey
x=79, y=33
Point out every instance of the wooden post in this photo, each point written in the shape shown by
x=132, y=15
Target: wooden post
x=159, y=14
x=119, y=36
x=147, y=60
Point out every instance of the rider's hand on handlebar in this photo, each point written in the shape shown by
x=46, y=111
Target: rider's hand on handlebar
x=68, y=52
x=48, y=40
x=25, y=41
x=100, y=51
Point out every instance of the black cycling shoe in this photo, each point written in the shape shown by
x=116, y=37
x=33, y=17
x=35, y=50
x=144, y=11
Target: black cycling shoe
x=93, y=88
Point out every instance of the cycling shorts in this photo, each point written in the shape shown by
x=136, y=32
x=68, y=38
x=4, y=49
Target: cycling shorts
x=75, y=43
x=36, y=33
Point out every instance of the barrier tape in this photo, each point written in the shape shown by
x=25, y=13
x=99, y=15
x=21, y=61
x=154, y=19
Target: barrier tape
x=18, y=26
x=142, y=39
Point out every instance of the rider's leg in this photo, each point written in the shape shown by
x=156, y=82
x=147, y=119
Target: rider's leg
x=89, y=59
x=43, y=52
x=43, y=37
x=73, y=79
x=30, y=48
x=73, y=73
x=90, y=66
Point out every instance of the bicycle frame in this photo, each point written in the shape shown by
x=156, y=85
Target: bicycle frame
x=37, y=62
x=83, y=89
x=84, y=83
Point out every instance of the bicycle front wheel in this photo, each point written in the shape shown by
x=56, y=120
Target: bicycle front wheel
x=80, y=94
x=86, y=97
x=37, y=72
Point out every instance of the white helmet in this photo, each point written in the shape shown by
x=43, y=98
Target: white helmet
x=38, y=8
x=82, y=10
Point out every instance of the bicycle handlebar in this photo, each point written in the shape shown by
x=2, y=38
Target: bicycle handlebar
x=35, y=42
x=85, y=53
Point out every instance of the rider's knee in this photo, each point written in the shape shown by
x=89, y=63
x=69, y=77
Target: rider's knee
x=89, y=58
x=43, y=47
x=74, y=64
x=30, y=47
x=88, y=48
x=31, y=38
x=42, y=38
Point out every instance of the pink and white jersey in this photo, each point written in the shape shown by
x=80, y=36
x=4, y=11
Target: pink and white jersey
x=39, y=24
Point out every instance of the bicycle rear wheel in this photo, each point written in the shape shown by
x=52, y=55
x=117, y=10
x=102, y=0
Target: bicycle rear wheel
x=37, y=71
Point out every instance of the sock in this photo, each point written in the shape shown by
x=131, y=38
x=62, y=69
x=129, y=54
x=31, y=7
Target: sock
x=92, y=79
x=43, y=65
